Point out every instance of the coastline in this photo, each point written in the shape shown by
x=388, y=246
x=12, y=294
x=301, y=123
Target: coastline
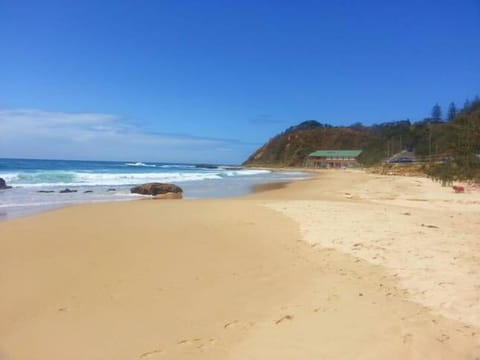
x=33, y=198
x=305, y=269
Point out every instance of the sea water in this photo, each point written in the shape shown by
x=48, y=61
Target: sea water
x=36, y=184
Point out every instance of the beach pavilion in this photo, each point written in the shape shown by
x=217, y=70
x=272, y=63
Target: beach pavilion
x=332, y=159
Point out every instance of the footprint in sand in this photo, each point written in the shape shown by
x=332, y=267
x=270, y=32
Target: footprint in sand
x=283, y=318
x=208, y=343
x=185, y=342
x=230, y=324
x=235, y=323
x=151, y=354
x=199, y=343
x=443, y=337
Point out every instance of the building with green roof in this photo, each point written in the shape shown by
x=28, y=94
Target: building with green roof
x=333, y=158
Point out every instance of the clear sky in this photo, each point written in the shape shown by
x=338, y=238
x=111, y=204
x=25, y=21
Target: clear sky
x=184, y=80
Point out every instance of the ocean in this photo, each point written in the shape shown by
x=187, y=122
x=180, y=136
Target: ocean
x=36, y=184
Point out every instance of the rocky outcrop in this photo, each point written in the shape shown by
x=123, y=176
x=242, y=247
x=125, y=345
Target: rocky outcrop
x=159, y=190
x=206, y=166
x=67, y=191
x=3, y=184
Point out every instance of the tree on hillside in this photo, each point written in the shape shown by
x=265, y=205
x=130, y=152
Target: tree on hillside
x=357, y=126
x=462, y=144
x=467, y=105
x=476, y=101
x=437, y=113
x=452, y=111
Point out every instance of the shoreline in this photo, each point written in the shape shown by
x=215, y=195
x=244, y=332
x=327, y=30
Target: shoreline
x=113, y=194
x=266, y=275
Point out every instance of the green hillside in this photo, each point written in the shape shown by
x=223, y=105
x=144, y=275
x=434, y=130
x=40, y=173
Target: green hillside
x=448, y=148
x=291, y=147
x=459, y=142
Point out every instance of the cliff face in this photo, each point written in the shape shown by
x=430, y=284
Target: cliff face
x=292, y=146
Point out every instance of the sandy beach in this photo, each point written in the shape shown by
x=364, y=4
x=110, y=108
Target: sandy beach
x=347, y=265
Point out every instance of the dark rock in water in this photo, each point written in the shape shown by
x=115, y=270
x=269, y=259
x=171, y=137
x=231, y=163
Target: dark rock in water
x=206, y=166
x=232, y=167
x=88, y=191
x=112, y=189
x=3, y=184
x=66, y=191
x=158, y=189
x=45, y=191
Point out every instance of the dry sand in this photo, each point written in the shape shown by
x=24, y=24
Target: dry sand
x=346, y=266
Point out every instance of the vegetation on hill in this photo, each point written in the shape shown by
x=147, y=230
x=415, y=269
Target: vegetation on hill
x=449, y=148
x=459, y=142
x=291, y=147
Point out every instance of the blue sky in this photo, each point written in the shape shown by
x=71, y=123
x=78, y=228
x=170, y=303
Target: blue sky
x=212, y=80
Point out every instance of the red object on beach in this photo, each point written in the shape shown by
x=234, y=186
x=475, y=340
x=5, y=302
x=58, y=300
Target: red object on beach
x=458, y=188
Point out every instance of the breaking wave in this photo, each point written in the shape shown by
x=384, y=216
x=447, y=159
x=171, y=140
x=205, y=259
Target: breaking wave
x=140, y=164
x=73, y=178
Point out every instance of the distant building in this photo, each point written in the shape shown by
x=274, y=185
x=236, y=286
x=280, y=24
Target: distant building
x=333, y=159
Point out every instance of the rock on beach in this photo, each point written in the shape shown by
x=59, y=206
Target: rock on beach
x=159, y=190
x=3, y=184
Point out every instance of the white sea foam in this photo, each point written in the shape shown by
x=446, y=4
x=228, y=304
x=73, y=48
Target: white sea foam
x=37, y=184
x=245, y=172
x=140, y=164
x=175, y=166
x=71, y=178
